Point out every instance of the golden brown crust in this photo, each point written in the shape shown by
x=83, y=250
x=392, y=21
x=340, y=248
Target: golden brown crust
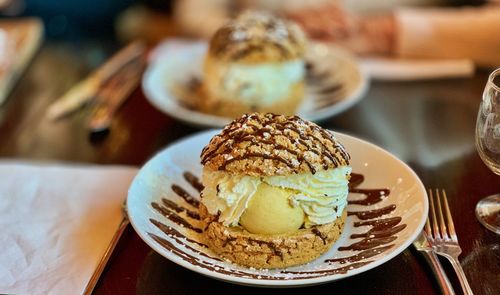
x=269, y=144
x=269, y=251
x=258, y=37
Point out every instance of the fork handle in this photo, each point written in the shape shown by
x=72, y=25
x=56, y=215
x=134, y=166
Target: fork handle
x=439, y=273
x=461, y=275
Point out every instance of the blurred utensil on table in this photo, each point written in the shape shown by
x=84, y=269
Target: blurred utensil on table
x=442, y=235
x=96, y=84
x=113, y=93
x=422, y=245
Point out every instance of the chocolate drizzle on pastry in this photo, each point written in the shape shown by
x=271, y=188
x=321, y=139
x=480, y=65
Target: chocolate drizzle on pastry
x=254, y=34
x=269, y=144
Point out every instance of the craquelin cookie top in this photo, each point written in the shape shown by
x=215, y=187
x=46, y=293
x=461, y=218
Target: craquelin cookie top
x=258, y=37
x=269, y=144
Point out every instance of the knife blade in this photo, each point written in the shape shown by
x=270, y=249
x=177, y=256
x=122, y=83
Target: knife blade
x=113, y=93
x=85, y=90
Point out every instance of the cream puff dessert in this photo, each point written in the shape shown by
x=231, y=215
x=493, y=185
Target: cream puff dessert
x=254, y=63
x=275, y=191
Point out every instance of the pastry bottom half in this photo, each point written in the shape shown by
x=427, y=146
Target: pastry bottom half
x=269, y=251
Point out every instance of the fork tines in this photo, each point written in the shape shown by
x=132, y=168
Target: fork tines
x=442, y=222
x=443, y=237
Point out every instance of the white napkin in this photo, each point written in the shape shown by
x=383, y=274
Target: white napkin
x=55, y=224
x=394, y=69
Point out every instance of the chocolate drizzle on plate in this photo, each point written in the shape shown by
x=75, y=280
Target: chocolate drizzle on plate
x=185, y=195
x=361, y=255
x=333, y=271
x=174, y=217
x=370, y=214
x=193, y=181
x=372, y=196
x=378, y=237
x=173, y=206
x=382, y=231
x=175, y=234
x=327, y=91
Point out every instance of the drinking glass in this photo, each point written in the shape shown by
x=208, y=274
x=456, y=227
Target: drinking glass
x=488, y=147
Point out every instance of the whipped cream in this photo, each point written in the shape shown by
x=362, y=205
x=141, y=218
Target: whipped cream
x=262, y=83
x=227, y=194
x=322, y=196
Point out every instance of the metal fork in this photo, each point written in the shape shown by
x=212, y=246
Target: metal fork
x=422, y=244
x=443, y=237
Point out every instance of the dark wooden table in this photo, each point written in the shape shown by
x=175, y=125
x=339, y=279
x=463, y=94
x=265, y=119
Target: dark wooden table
x=427, y=124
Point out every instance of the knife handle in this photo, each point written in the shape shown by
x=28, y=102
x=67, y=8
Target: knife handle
x=437, y=269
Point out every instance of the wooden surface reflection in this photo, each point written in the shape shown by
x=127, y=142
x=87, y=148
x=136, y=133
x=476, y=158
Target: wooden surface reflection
x=428, y=124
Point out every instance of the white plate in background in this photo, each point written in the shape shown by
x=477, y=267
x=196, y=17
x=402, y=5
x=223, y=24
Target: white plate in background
x=175, y=62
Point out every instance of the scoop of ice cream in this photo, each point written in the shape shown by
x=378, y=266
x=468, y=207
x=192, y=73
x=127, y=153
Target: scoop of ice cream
x=270, y=212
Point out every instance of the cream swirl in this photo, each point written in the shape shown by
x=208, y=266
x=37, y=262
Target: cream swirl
x=322, y=196
x=227, y=194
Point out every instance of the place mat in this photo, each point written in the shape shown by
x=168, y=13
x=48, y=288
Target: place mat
x=56, y=222
x=19, y=41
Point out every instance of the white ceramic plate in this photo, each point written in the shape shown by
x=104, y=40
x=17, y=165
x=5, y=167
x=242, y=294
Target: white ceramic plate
x=337, y=83
x=381, y=170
